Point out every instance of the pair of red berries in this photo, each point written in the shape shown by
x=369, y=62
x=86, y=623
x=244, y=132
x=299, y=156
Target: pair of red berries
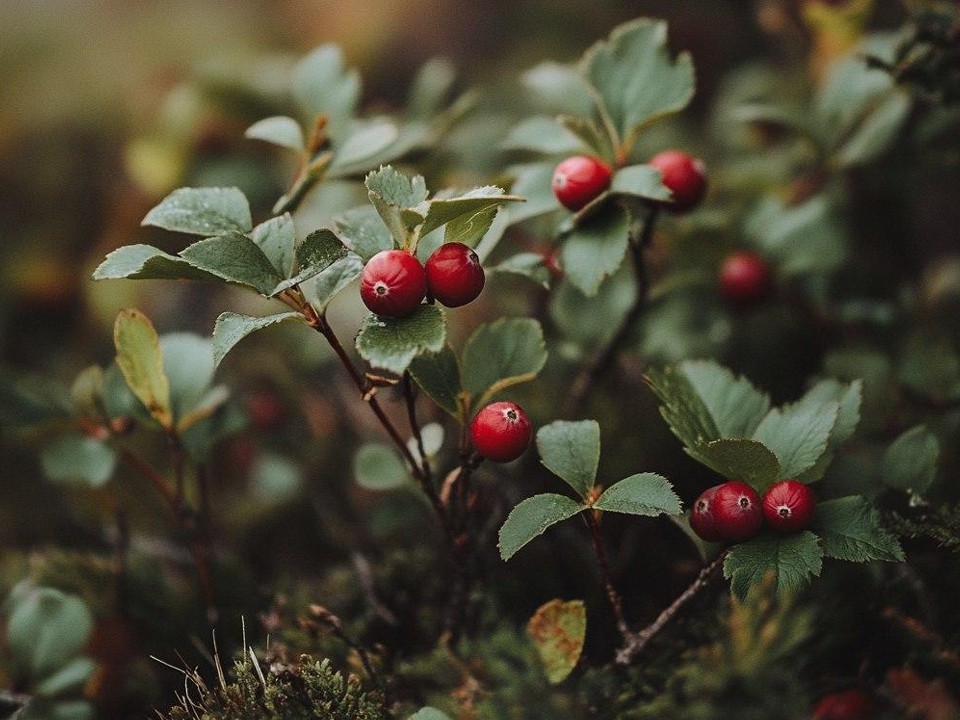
x=501, y=431
x=579, y=180
x=733, y=511
x=394, y=282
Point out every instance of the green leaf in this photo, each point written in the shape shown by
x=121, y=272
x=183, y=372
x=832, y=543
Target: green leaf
x=86, y=392
x=642, y=494
x=363, y=144
x=429, y=713
x=78, y=459
x=393, y=194
x=275, y=478
x=532, y=181
x=543, y=135
x=685, y=413
x=470, y=227
x=202, y=211
x=798, y=434
x=801, y=239
x=144, y=262
x=739, y=459
x=849, y=529
x=277, y=237
x=930, y=366
x=848, y=397
x=590, y=134
x=236, y=258
x=527, y=264
x=877, y=130
x=141, y=362
x=505, y=352
x=392, y=343
x=362, y=230
x=441, y=211
x=27, y=401
x=438, y=374
x=430, y=87
x=188, y=365
x=790, y=559
x=231, y=328
x=279, y=130
x=318, y=251
x=46, y=629
x=595, y=249
x=378, y=467
x=910, y=463
x=557, y=89
x=335, y=278
x=322, y=86
x=635, y=80
x=531, y=518
x=734, y=404
x=571, y=451
x=592, y=321
x=643, y=181
x=558, y=630
x=71, y=676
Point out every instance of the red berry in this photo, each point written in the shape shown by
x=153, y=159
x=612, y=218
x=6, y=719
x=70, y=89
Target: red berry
x=501, y=431
x=454, y=275
x=744, y=278
x=393, y=283
x=580, y=179
x=684, y=176
x=736, y=511
x=788, y=506
x=847, y=705
x=701, y=516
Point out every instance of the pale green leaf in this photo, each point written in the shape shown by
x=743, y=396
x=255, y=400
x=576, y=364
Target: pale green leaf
x=502, y=353
x=557, y=88
x=471, y=227
x=335, y=278
x=323, y=86
x=364, y=143
x=790, y=559
x=595, y=249
x=643, y=181
x=392, y=343
x=558, y=630
x=543, y=135
x=378, y=467
x=188, y=365
x=849, y=529
x=72, y=676
x=642, y=494
x=571, y=451
x=279, y=130
x=362, y=230
x=141, y=362
x=910, y=462
x=533, y=182
x=442, y=210
x=318, y=251
x=277, y=238
x=46, y=628
x=429, y=713
x=430, y=87
x=526, y=264
x=78, y=459
x=202, y=211
x=531, y=518
x=393, y=194
x=231, y=328
x=144, y=262
x=275, y=478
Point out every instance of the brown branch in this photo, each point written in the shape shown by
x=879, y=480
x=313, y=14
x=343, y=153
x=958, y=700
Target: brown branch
x=613, y=597
x=410, y=397
x=636, y=642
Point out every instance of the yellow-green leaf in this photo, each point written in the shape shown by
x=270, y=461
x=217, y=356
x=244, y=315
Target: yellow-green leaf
x=141, y=362
x=558, y=630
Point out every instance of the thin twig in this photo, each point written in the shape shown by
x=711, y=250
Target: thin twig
x=410, y=397
x=638, y=641
x=613, y=597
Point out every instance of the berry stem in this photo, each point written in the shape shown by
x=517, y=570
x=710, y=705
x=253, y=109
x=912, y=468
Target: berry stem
x=613, y=597
x=636, y=642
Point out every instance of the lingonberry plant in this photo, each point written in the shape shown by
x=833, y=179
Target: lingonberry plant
x=639, y=289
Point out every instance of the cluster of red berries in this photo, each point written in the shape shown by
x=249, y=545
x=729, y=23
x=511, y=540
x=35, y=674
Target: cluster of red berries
x=501, y=431
x=394, y=282
x=579, y=180
x=733, y=511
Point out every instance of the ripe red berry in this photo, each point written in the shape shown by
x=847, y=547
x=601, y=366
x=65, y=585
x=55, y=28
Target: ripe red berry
x=684, y=176
x=701, y=516
x=744, y=278
x=393, y=283
x=501, y=431
x=736, y=511
x=454, y=275
x=580, y=179
x=847, y=705
x=788, y=506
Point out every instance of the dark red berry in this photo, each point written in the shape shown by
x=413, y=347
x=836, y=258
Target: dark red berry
x=744, y=278
x=580, y=179
x=701, y=516
x=684, y=176
x=454, y=275
x=736, y=511
x=847, y=705
x=501, y=431
x=788, y=506
x=393, y=283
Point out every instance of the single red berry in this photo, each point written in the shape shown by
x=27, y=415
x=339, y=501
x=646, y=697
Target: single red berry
x=393, y=283
x=736, y=511
x=454, y=275
x=580, y=179
x=701, y=516
x=501, y=431
x=744, y=278
x=684, y=176
x=851, y=704
x=788, y=506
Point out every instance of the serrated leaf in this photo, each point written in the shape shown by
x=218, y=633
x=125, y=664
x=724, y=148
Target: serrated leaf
x=335, y=278
x=393, y=343
x=571, y=451
x=318, y=251
x=529, y=265
x=798, y=434
x=505, y=352
x=734, y=404
x=78, y=459
x=910, y=462
x=438, y=374
x=685, y=413
x=848, y=398
x=558, y=630
x=643, y=181
x=393, y=194
x=595, y=249
x=46, y=628
x=202, y=211
x=531, y=518
x=378, y=467
x=231, y=328
x=634, y=77
x=543, y=135
x=739, y=459
x=322, y=86
x=849, y=529
x=277, y=237
x=236, y=258
x=642, y=494
x=441, y=211
x=279, y=130
x=363, y=231
x=144, y=262
x=790, y=559
x=141, y=362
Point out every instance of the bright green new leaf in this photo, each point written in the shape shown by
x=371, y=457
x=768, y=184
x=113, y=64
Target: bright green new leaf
x=643, y=181
x=558, y=630
x=571, y=451
x=441, y=210
x=791, y=559
x=739, y=459
x=438, y=374
x=141, y=362
x=798, y=434
x=378, y=467
x=277, y=237
x=594, y=249
x=531, y=518
x=471, y=227
x=78, y=459
x=392, y=343
x=236, y=258
x=279, y=130
x=642, y=494
x=202, y=211
x=505, y=352
x=231, y=328
x=734, y=404
x=910, y=463
x=46, y=628
x=145, y=262
x=849, y=529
